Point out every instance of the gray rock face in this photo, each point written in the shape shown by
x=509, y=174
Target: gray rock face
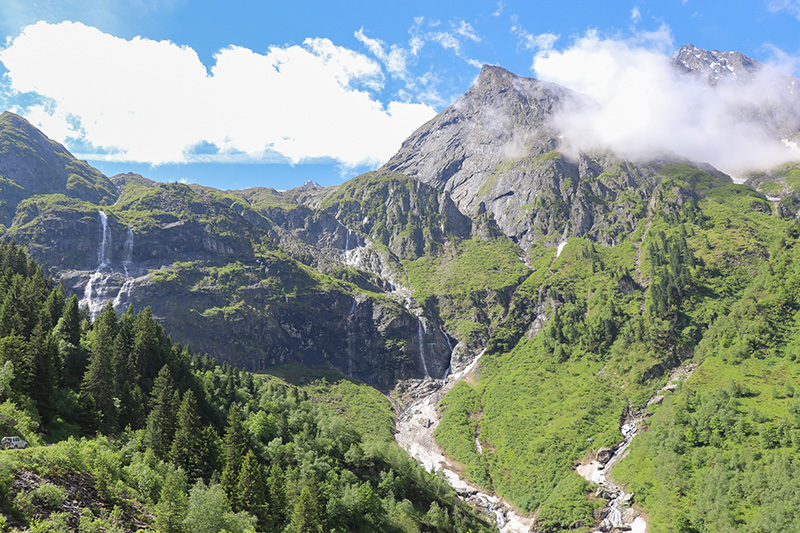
x=495, y=151
x=713, y=66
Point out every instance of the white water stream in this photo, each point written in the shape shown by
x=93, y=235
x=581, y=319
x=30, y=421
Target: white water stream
x=124, y=295
x=96, y=292
x=421, y=335
x=620, y=514
x=99, y=279
x=414, y=432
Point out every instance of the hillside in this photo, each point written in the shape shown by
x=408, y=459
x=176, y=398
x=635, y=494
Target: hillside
x=530, y=308
x=147, y=435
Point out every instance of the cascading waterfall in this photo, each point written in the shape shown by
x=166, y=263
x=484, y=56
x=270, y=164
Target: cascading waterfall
x=421, y=334
x=350, y=336
x=127, y=251
x=347, y=240
x=127, y=259
x=98, y=280
x=450, y=347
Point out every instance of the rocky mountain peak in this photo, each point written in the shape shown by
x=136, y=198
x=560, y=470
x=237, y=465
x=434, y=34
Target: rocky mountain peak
x=713, y=65
x=493, y=74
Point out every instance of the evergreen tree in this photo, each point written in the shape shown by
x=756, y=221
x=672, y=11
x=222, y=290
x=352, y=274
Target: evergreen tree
x=306, y=512
x=172, y=504
x=208, y=454
x=98, y=381
x=43, y=352
x=69, y=325
x=186, y=451
x=161, y=421
x=236, y=445
x=251, y=489
x=276, y=496
x=53, y=307
x=14, y=350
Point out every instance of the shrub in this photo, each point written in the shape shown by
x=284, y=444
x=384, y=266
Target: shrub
x=49, y=495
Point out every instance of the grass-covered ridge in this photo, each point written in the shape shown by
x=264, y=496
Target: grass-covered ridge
x=688, y=284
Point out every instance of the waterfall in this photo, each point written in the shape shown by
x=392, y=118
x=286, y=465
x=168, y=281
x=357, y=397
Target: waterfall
x=350, y=334
x=347, y=240
x=127, y=287
x=98, y=280
x=450, y=347
x=105, y=242
x=421, y=333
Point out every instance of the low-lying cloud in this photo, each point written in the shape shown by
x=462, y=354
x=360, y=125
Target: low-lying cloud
x=155, y=102
x=638, y=105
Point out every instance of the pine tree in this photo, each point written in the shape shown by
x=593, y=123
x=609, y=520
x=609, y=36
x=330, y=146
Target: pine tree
x=208, y=454
x=161, y=421
x=276, y=497
x=172, y=504
x=236, y=445
x=13, y=349
x=98, y=381
x=146, y=357
x=186, y=451
x=306, y=512
x=251, y=489
x=43, y=352
x=54, y=306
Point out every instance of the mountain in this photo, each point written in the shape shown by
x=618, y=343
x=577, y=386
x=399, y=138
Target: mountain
x=495, y=150
x=713, y=66
x=540, y=313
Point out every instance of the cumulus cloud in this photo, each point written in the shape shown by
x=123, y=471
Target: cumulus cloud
x=639, y=106
x=154, y=101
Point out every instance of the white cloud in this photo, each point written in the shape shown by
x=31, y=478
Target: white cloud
x=642, y=107
x=537, y=43
x=636, y=15
x=153, y=101
x=395, y=59
x=499, y=10
x=792, y=6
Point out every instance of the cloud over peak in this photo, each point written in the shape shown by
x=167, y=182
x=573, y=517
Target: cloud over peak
x=639, y=105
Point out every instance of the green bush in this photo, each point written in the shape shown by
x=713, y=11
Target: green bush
x=49, y=495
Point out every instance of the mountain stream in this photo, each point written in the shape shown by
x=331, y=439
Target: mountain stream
x=620, y=515
x=414, y=433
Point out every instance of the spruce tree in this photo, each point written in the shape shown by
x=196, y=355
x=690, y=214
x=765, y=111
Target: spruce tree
x=276, y=497
x=236, y=445
x=161, y=421
x=251, y=490
x=185, y=451
x=98, y=381
x=43, y=352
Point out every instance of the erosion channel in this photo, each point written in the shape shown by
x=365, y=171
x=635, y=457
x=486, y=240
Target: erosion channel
x=618, y=514
x=415, y=427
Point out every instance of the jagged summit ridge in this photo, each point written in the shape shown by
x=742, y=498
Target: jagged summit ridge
x=713, y=65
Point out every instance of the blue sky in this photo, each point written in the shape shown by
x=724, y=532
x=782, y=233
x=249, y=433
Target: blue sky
x=262, y=93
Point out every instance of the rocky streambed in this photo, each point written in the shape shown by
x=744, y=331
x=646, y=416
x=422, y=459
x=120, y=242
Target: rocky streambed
x=414, y=432
x=619, y=514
